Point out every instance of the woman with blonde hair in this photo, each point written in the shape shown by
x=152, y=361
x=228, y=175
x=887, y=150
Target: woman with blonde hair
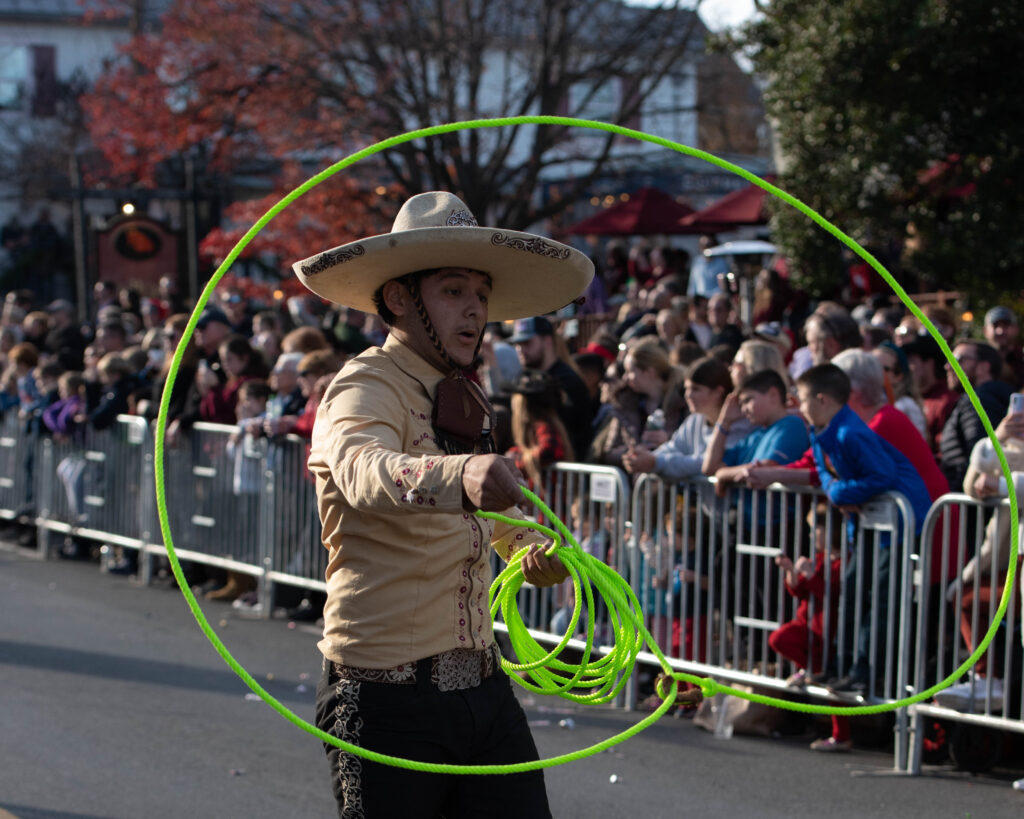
x=754, y=356
x=651, y=388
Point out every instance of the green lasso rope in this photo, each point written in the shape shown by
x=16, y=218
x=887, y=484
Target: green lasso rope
x=605, y=676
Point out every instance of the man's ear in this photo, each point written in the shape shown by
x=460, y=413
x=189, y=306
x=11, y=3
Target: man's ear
x=396, y=297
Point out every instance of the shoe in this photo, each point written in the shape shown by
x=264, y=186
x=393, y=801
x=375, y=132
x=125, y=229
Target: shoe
x=849, y=684
x=797, y=680
x=822, y=678
x=73, y=550
x=305, y=612
x=831, y=745
x=971, y=695
x=248, y=603
x=124, y=567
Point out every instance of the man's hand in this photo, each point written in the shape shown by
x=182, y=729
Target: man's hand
x=639, y=460
x=541, y=570
x=491, y=483
x=986, y=486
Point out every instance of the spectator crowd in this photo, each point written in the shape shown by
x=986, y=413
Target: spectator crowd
x=654, y=373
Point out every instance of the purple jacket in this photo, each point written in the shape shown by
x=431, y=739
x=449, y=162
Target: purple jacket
x=59, y=417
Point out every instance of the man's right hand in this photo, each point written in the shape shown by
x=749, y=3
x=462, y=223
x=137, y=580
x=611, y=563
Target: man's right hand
x=491, y=483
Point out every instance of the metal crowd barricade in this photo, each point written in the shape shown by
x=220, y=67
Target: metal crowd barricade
x=213, y=486
x=952, y=619
x=291, y=522
x=704, y=566
x=94, y=485
x=17, y=455
x=593, y=502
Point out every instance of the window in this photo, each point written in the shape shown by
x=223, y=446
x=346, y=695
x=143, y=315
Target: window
x=14, y=77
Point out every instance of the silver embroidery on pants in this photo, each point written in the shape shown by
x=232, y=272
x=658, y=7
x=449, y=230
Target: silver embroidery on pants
x=348, y=726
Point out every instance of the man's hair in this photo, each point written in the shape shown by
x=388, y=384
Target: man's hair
x=710, y=372
x=255, y=388
x=319, y=362
x=763, y=381
x=24, y=353
x=989, y=354
x=927, y=349
x=51, y=369
x=590, y=362
x=116, y=327
x=827, y=379
x=411, y=282
x=866, y=374
x=304, y=339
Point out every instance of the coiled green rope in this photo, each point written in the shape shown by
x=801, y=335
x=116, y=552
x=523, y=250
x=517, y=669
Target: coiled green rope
x=606, y=675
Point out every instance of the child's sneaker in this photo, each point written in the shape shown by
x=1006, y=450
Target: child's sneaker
x=831, y=745
x=797, y=680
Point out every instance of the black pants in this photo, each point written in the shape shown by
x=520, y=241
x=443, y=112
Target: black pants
x=474, y=726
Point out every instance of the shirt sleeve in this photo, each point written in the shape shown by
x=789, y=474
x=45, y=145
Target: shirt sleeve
x=358, y=437
x=682, y=455
x=785, y=441
x=869, y=469
x=508, y=539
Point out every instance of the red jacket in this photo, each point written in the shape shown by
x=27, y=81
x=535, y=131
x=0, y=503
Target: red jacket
x=811, y=588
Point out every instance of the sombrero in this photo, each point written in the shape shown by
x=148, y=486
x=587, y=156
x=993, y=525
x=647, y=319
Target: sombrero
x=530, y=275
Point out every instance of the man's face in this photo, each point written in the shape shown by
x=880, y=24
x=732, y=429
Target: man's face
x=234, y=307
x=759, y=407
x=967, y=358
x=531, y=352
x=209, y=337
x=109, y=341
x=718, y=311
x=821, y=345
x=1002, y=334
x=812, y=407
x=922, y=372
x=284, y=381
x=249, y=406
x=456, y=301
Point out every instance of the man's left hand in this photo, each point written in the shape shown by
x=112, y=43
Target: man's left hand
x=541, y=570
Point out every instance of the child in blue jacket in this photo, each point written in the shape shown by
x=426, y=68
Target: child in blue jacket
x=855, y=465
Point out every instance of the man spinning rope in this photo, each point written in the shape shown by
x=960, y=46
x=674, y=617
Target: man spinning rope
x=403, y=456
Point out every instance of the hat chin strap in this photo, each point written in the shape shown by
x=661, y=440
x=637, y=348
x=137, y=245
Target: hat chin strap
x=413, y=286
x=455, y=389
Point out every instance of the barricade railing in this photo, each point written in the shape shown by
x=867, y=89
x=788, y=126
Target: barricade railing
x=17, y=459
x=594, y=503
x=953, y=618
x=720, y=606
x=94, y=485
x=703, y=566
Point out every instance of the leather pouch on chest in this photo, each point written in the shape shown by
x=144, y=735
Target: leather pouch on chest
x=461, y=411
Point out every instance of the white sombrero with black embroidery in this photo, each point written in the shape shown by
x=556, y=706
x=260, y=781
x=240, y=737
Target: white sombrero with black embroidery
x=530, y=275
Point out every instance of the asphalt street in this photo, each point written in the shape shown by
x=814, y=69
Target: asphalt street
x=113, y=705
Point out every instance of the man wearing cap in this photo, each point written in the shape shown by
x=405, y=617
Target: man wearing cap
x=64, y=339
x=1002, y=331
x=981, y=364
x=534, y=340
x=402, y=457
x=212, y=328
x=927, y=364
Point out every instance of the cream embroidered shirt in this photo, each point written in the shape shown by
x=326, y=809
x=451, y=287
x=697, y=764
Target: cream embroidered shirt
x=408, y=571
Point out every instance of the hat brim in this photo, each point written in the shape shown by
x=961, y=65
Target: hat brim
x=530, y=275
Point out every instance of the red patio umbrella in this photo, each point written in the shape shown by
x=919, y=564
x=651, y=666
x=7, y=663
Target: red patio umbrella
x=741, y=207
x=648, y=211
